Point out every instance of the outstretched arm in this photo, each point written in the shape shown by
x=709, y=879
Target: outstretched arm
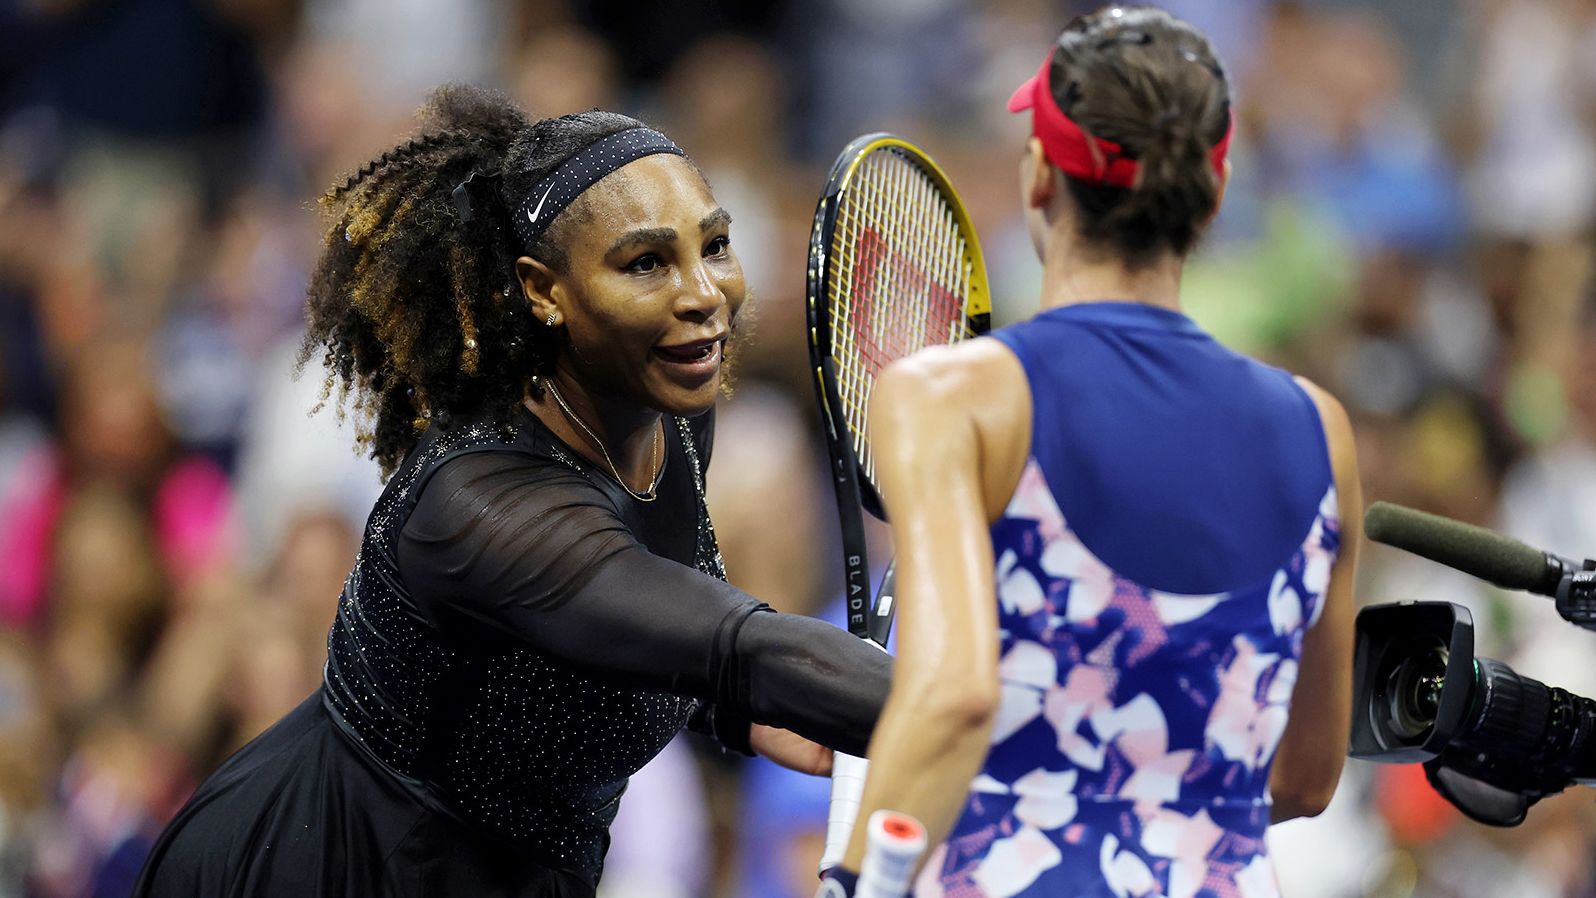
x=541, y=557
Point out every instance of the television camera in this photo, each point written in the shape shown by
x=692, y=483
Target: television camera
x=1492, y=742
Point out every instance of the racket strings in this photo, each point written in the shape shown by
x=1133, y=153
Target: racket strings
x=901, y=271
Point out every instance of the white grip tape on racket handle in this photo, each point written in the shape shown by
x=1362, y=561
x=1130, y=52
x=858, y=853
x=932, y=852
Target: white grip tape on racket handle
x=893, y=843
x=847, y=789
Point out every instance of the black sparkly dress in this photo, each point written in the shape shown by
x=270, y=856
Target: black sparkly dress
x=518, y=636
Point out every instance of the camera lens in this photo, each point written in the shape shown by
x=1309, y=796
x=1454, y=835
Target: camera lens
x=1412, y=690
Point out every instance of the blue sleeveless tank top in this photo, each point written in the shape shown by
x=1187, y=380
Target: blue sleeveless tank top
x=1166, y=550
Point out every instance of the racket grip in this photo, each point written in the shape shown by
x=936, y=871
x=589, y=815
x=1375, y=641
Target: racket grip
x=847, y=789
x=894, y=842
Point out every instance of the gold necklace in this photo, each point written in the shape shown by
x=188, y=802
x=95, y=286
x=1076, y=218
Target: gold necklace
x=653, y=489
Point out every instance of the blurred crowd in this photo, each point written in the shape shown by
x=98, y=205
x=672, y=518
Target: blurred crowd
x=1410, y=224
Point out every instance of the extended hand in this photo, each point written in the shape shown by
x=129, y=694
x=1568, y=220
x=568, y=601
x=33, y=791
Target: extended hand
x=791, y=750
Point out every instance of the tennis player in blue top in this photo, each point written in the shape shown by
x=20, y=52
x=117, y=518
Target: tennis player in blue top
x=1126, y=552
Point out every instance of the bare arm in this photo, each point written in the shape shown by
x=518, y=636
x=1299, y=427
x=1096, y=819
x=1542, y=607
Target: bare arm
x=951, y=428
x=1308, y=762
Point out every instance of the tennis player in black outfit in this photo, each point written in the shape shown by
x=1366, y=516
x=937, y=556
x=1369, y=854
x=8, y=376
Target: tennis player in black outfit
x=529, y=318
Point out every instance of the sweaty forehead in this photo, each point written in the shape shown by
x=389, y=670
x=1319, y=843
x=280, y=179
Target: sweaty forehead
x=649, y=192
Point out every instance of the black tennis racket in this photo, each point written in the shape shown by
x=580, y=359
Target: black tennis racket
x=894, y=267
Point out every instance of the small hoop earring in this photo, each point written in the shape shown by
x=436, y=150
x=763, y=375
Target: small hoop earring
x=550, y=321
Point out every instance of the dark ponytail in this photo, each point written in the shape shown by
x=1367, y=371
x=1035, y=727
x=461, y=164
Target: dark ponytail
x=414, y=306
x=1150, y=83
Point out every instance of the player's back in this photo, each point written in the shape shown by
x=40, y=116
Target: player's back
x=1166, y=549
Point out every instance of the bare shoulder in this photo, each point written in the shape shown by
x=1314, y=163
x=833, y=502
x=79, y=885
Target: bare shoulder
x=964, y=405
x=973, y=373
x=1343, y=456
x=1337, y=425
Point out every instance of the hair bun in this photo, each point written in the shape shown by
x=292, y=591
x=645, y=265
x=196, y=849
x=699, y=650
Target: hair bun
x=487, y=114
x=1138, y=86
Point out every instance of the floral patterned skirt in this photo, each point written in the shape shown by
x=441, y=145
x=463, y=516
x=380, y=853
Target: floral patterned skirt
x=1039, y=841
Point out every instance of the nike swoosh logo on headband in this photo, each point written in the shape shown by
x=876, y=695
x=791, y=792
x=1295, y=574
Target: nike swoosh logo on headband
x=533, y=215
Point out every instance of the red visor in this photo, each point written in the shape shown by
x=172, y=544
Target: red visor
x=1078, y=154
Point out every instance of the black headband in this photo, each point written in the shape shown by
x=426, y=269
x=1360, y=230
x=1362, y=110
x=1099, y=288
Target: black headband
x=549, y=196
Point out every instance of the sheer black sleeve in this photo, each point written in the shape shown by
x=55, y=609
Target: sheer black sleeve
x=539, y=554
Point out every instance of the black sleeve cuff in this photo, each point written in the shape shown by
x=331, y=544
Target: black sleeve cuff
x=735, y=731
x=730, y=729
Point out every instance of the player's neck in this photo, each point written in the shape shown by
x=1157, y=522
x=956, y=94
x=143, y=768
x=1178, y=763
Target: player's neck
x=626, y=430
x=1071, y=276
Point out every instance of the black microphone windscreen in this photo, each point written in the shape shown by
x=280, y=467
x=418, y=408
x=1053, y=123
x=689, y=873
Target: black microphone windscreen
x=1473, y=550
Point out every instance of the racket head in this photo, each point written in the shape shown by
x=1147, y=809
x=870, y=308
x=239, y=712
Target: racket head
x=895, y=265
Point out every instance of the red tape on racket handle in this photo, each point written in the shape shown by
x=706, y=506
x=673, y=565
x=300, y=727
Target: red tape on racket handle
x=894, y=842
